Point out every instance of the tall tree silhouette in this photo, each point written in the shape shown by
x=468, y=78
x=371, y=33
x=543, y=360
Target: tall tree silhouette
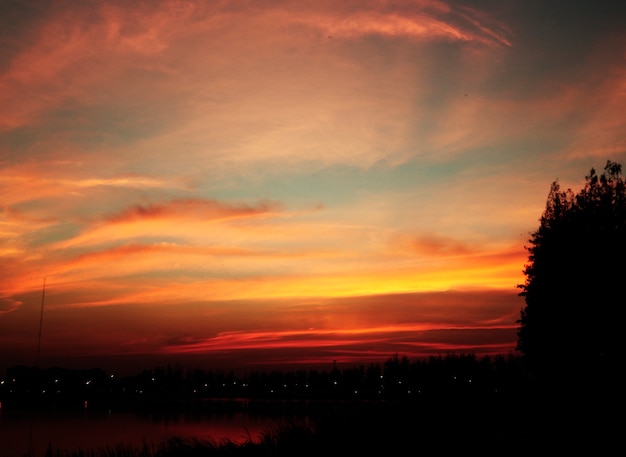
x=570, y=329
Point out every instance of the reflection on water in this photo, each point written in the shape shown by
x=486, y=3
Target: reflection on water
x=70, y=430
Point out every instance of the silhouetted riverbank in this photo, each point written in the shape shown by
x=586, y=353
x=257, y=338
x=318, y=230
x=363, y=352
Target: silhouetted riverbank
x=433, y=407
x=397, y=378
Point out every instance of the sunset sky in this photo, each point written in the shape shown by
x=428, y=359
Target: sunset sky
x=236, y=183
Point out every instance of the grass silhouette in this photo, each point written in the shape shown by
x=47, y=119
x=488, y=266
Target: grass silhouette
x=290, y=438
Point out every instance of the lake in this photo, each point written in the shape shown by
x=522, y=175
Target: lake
x=70, y=430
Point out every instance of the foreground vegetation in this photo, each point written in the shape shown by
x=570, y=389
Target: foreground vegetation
x=285, y=440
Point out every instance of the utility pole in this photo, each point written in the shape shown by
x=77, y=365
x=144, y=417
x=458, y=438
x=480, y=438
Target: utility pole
x=43, y=294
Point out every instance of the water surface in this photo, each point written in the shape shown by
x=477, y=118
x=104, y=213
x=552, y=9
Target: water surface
x=23, y=431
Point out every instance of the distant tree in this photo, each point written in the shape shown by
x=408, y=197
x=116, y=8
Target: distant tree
x=570, y=327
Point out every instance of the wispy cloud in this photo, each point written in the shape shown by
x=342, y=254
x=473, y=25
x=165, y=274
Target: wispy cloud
x=405, y=23
x=307, y=338
x=121, y=181
x=8, y=304
x=194, y=209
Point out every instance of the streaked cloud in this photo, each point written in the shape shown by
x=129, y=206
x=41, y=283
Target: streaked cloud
x=413, y=20
x=193, y=209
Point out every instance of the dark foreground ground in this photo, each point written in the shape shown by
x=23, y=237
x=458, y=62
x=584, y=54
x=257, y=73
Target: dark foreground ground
x=482, y=424
x=458, y=405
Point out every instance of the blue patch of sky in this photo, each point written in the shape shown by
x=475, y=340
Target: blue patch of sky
x=337, y=185
x=53, y=234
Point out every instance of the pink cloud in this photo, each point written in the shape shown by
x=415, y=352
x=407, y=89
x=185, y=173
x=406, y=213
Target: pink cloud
x=363, y=24
x=336, y=338
x=426, y=20
x=77, y=48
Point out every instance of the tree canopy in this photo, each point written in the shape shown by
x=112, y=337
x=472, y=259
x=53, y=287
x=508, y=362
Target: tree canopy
x=574, y=288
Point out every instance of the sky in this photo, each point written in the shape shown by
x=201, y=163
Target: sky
x=288, y=183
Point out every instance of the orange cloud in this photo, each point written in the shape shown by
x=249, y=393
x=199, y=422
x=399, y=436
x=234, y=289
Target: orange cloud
x=176, y=250
x=168, y=222
x=436, y=245
x=222, y=259
x=194, y=209
x=66, y=179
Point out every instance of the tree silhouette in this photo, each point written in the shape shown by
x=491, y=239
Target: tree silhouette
x=570, y=329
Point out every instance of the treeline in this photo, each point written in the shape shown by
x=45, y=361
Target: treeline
x=398, y=377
